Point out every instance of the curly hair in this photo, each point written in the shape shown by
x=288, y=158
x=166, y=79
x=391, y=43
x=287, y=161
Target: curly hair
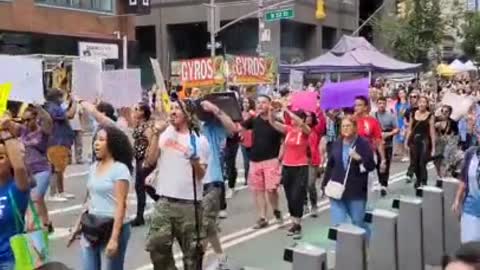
x=119, y=146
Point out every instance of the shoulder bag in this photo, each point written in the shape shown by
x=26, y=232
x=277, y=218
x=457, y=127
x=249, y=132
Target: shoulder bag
x=335, y=189
x=30, y=249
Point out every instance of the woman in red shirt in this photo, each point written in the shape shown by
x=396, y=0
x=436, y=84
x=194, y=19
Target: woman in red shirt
x=295, y=166
x=315, y=159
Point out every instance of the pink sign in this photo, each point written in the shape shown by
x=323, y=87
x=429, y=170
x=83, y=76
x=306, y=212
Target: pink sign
x=304, y=100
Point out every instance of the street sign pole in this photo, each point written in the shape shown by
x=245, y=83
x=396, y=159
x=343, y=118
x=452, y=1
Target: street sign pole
x=212, y=28
x=261, y=27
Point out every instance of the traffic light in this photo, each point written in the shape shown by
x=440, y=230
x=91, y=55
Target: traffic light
x=401, y=9
x=320, y=13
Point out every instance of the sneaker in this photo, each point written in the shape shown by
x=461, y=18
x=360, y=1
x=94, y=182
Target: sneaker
x=409, y=179
x=314, y=211
x=67, y=196
x=292, y=229
x=383, y=192
x=295, y=231
x=222, y=214
x=261, y=223
x=297, y=234
x=405, y=159
x=278, y=216
x=56, y=198
x=229, y=193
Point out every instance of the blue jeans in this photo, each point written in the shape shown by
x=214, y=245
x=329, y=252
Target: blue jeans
x=342, y=210
x=470, y=228
x=92, y=256
x=7, y=265
x=42, y=180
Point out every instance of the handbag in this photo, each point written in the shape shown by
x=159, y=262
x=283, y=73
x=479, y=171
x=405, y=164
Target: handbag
x=30, y=249
x=96, y=229
x=335, y=189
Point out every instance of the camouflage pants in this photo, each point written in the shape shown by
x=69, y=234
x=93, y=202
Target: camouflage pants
x=173, y=221
x=211, y=208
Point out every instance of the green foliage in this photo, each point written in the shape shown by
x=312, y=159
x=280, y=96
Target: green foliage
x=412, y=38
x=471, y=34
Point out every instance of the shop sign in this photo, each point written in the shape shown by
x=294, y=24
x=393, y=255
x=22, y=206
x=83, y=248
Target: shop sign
x=247, y=70
x=98, y=50
x=200, y=72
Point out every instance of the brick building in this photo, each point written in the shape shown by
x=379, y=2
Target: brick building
x=58, y=26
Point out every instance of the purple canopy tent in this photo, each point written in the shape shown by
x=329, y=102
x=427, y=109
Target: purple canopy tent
x=352, y=54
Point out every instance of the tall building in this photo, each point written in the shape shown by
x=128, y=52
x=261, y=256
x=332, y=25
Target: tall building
x=64, y=27
x=177, y=29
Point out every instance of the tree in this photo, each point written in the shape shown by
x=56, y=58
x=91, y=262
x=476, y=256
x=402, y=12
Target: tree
x=415, y=35
x=471, y=35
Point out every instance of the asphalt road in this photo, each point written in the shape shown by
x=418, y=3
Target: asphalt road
x=244, y=246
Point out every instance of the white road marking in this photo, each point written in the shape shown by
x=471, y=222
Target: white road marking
x=248, y=234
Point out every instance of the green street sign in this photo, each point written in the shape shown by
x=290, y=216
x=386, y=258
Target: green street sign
x=280, y=14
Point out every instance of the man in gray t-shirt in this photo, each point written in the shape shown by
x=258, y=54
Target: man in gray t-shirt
x=389, y=130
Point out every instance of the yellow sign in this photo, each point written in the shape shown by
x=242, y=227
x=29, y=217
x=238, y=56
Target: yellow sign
x=320, y=13
x=165, y=101
x=5, y=90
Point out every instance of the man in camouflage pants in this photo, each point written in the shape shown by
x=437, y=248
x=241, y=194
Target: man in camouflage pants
x=181, y=156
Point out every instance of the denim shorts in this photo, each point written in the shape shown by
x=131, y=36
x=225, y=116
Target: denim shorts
x=42, y=181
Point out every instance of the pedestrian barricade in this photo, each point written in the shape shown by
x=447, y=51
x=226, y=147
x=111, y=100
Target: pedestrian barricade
x=409, y=234
x=350, y=243
x=383, y=241
x=451, y=224
x=432, y=223
x=305, y=256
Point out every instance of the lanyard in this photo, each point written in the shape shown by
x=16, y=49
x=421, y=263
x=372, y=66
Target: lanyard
x=193, y=143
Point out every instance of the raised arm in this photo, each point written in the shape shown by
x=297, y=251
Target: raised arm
x=226, y=121
x=299, y=122
x=99, y=117
x=46, y=122
x=153, y=150
x=275, y=124
x=13, y=148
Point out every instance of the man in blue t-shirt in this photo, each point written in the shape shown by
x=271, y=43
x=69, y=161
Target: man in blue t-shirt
x=216, y=132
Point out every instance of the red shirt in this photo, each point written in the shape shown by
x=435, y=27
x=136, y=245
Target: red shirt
x=313, y=143
x=369, y=128
x=295, y=147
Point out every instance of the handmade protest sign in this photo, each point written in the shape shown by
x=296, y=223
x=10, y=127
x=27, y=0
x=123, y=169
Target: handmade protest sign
x=306, y=101
x=86, y=80
x=296, y=80
x=460, y=104
x=26, y=76
x=342, y=95
x=160, y=81
x=5, y=90
x=122, y=88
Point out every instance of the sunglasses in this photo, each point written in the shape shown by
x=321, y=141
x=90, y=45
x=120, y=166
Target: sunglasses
x=413, y=96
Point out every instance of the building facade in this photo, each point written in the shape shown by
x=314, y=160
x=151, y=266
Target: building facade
x=177, y=29
x=57, y=27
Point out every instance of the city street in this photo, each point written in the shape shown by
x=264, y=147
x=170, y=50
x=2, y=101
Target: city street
x=242, y=243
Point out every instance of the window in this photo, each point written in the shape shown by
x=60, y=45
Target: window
x=329, y=37
x=95, y=5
